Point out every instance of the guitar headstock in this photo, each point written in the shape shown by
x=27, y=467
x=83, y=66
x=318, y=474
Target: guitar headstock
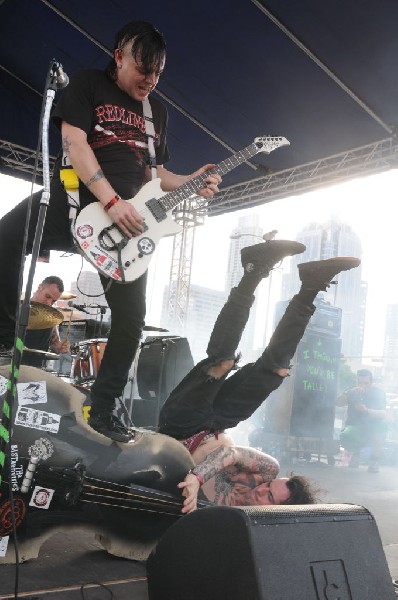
x=269, y=143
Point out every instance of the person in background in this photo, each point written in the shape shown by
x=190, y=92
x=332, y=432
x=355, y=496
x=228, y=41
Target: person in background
x=366, y=421
x=48, y=292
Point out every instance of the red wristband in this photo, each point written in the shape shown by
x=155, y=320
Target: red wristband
x=198, y=477
x=112, y=202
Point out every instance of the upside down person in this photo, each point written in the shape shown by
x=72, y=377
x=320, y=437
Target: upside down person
x=206, y=402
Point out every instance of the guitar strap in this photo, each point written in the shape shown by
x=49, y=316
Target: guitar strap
x=150, y=133
x=70, y=181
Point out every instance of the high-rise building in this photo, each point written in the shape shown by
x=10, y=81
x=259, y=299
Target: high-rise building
x=247, y=233
x=204, y=306
x=390, y=378
x=326, y=240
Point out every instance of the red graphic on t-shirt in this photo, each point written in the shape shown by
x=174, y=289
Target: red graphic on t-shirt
x=117, y=124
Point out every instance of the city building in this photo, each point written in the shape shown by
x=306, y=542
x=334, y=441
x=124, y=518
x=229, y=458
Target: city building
x=247, y=233
x=326, y=240
x=204, y=306
x=391, y=349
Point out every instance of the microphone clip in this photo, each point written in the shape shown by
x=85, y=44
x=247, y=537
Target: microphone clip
x=59, y=78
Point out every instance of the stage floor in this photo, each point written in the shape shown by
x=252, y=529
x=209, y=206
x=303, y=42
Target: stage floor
x=68, y=561
x=75, y=566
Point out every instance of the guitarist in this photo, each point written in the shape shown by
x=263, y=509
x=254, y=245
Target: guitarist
x=100, y=115
x=205, y=403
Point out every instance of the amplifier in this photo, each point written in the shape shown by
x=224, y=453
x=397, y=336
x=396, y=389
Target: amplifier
x=312, y=552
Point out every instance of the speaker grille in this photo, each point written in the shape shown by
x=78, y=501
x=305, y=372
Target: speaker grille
x=306, y=513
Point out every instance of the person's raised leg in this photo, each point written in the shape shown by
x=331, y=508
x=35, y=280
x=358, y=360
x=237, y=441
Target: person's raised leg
x=315, y=276
x=257, y=263
x=189, y=408
x=243, y=392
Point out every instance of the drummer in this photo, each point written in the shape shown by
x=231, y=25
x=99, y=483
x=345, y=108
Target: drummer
x=48, y=292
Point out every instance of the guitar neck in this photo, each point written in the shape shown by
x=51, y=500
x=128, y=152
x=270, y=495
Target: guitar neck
x=172, y=199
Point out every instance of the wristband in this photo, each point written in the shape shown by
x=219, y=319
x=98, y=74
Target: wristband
x=198, y=477
x=112, y=202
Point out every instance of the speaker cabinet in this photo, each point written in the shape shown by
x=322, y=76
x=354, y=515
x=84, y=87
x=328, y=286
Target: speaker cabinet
x=313, y=552
x=163, y=362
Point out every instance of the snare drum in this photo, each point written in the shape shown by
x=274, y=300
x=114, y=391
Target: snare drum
x=88, y=359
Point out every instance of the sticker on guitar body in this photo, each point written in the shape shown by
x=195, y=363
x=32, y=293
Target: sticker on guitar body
x=106, y=263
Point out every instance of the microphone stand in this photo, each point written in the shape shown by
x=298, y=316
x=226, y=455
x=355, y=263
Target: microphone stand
x=24, y=308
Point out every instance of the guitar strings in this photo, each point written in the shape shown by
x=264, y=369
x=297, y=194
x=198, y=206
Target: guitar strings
x=125, y=494
x=142, y=499
x=135, y=491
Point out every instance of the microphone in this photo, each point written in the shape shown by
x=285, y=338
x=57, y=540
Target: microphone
x=61, y=77
x=81, y=307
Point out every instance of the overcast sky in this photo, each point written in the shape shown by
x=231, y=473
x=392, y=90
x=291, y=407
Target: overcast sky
x=368, y=205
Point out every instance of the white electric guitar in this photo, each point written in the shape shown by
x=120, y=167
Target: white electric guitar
x=125, y=259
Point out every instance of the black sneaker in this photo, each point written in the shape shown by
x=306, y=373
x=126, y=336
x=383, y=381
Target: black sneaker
x=110, y=426
x=261, y=258
x=318, y=274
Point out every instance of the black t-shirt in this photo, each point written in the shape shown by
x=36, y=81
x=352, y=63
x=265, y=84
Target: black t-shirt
x=36, y=339
x=115, y=130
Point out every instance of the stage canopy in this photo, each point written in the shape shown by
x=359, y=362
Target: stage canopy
x=322, y=74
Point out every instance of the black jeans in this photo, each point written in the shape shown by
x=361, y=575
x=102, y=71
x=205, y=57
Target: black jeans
x=202, y=402
x=126, y=301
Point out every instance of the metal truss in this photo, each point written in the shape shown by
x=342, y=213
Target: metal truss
x=374, y=158
x=16, y=159
x=189, y=215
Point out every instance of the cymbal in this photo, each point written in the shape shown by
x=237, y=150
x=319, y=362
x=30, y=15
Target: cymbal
x=67, y=296
x=45, y=355
x=153, y=328
x=43, y=316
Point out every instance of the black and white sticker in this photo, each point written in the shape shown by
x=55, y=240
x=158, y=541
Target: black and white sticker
x=4, y=545
x=16, y=469
x=37, y=419
x=146, y=245
x=41, y=497
x=3, y=385
x=42, y=448
x=32, y=392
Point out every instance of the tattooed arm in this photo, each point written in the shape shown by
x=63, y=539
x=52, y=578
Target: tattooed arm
x=56, y=344
x=235, y=471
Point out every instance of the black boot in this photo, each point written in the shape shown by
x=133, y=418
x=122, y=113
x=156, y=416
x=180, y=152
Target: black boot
x=260, y=259
x=318, y=274
x=110, y=426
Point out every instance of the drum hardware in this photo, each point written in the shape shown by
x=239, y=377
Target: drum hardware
x=42, y=316
x=44, y=355
x=87, y=361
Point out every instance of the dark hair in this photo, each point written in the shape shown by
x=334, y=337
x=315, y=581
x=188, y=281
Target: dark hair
x=365, y=373
x=148, y=42
x=54, y=279
x=302, y=491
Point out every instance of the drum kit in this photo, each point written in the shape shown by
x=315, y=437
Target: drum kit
x=86, y=355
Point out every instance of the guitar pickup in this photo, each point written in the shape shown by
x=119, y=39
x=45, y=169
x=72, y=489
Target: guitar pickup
x=157, y=210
